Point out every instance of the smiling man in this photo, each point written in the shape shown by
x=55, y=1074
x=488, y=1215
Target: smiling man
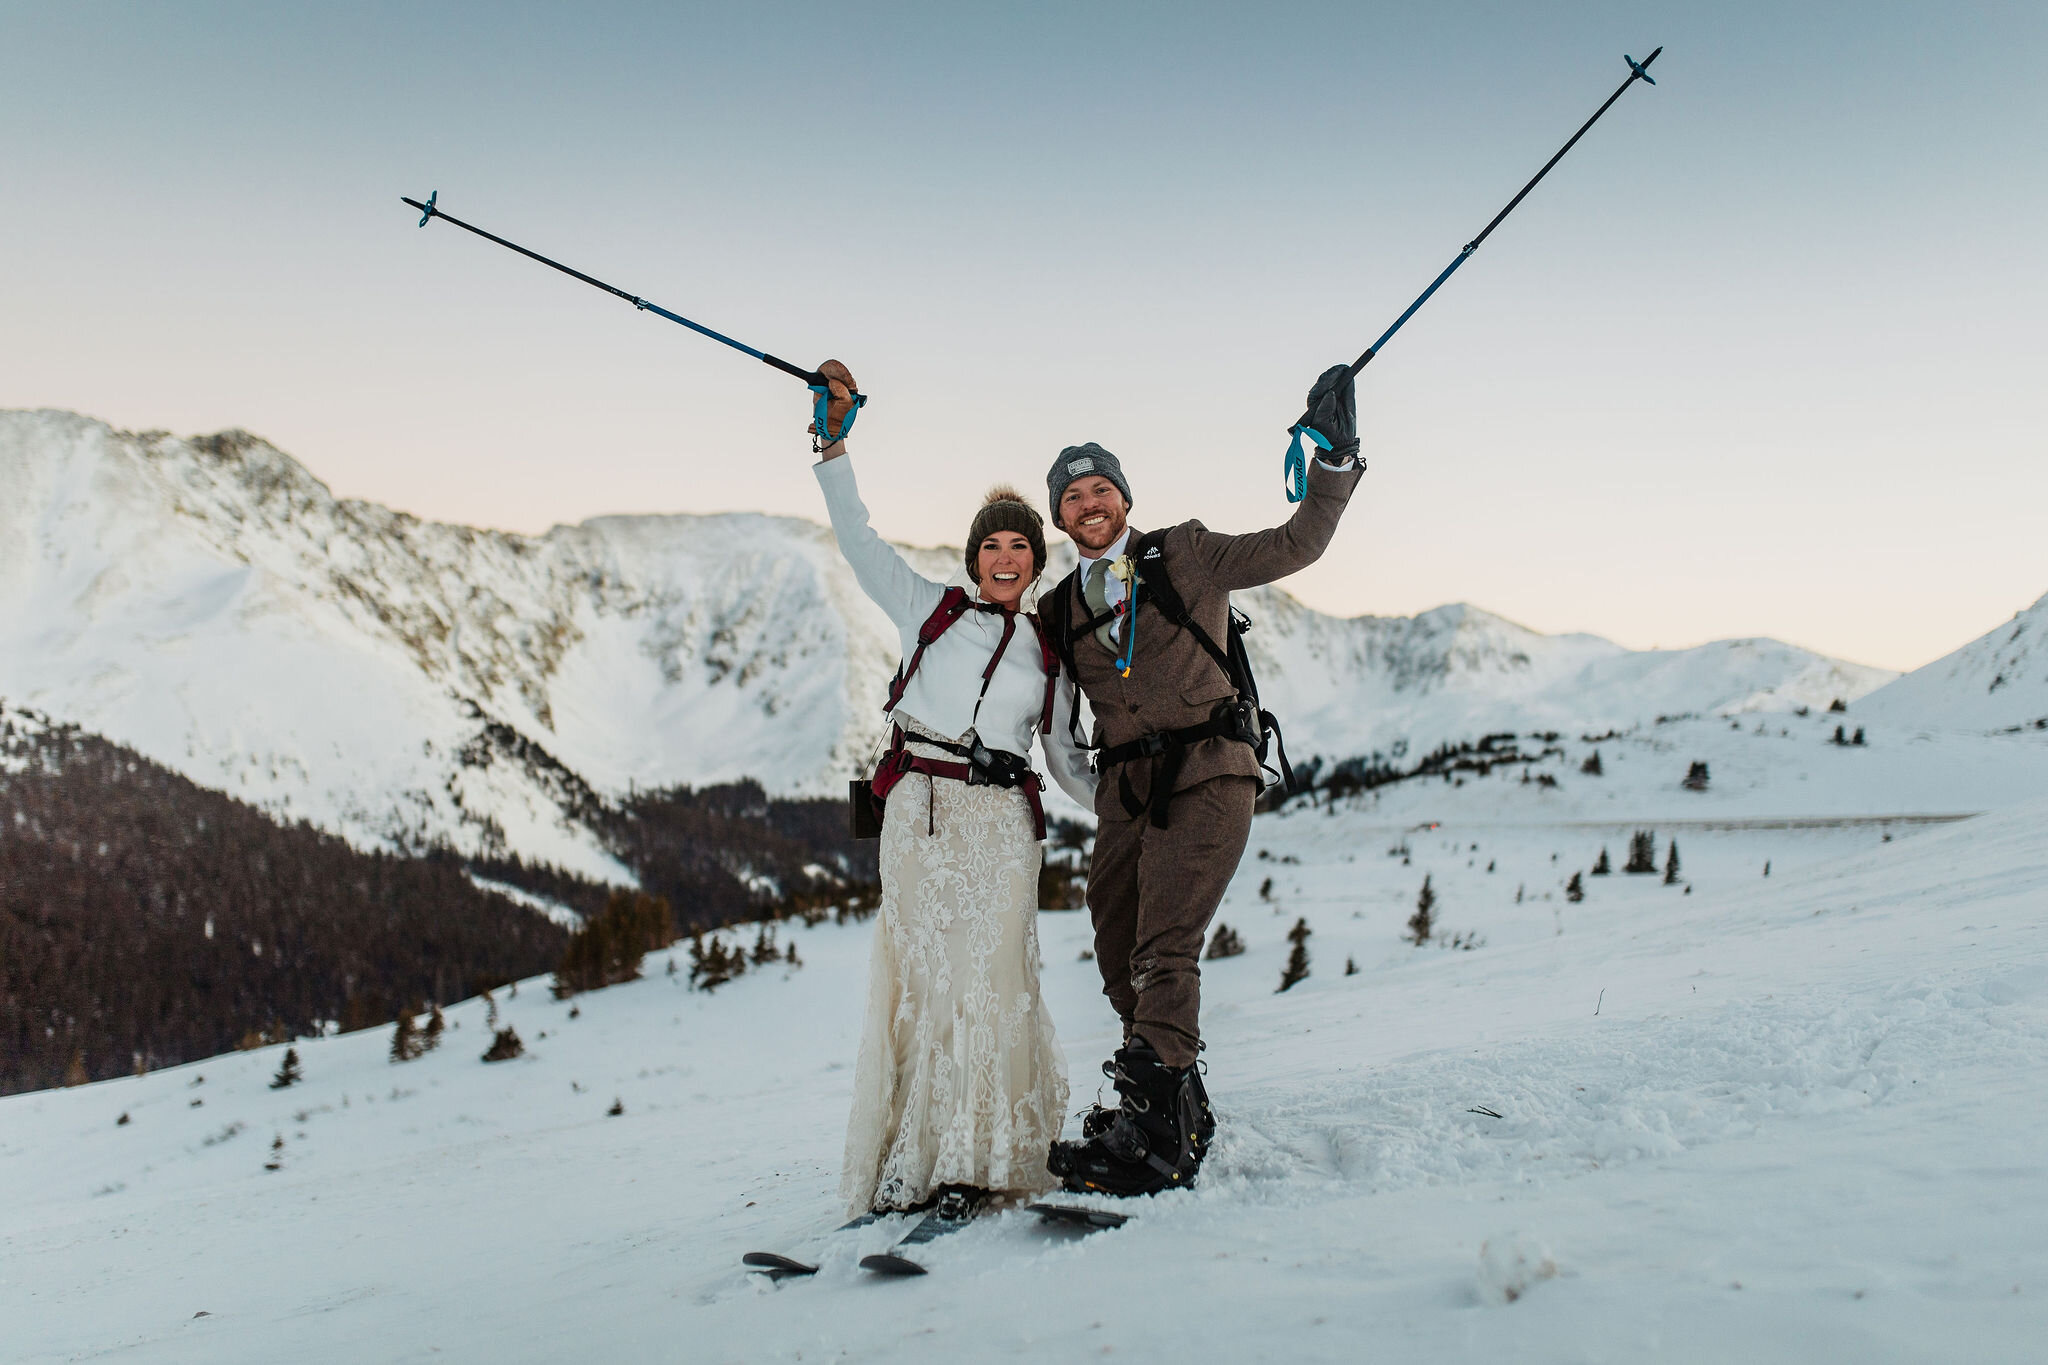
x=1178, y=759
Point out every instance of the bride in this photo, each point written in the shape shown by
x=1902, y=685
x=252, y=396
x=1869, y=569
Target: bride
x=960, y=1087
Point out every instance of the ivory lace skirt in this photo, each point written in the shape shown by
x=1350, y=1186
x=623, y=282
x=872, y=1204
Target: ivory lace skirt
x=960, y=1079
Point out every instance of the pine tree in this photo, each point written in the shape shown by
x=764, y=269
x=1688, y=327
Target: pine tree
x=608, y=948
x=711, y=966
x=1350, y=967
x=765, y=950
x=431, y=1039
x=288, y=1073
x=1642, y=852
x=1296, y=970
x=505, y=1045
x=1224, y=943
x=1603, y=868
x=1671, y=866
x=1575, y=889
x=790, y=957
x=405, y=1039
x=1422, y=923
x=1592, y=766
x=1696, y=777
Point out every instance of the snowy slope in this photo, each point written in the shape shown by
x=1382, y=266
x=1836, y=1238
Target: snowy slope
x=1995, y=682
x=1791, y=1118
x=208, y=602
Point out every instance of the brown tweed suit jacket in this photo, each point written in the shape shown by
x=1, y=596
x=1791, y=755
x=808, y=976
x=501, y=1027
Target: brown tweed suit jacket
x=1174, y=682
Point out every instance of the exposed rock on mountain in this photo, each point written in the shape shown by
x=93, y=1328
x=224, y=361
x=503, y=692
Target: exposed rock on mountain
x=211, y=604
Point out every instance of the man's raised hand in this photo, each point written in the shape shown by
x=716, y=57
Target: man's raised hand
x=1333, y=411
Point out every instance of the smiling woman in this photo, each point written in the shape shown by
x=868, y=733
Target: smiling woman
x=1006, y=547
x=960, y=1088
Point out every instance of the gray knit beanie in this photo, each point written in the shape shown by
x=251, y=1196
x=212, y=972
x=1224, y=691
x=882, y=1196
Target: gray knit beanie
x=1076, y=462
x=1004, y=509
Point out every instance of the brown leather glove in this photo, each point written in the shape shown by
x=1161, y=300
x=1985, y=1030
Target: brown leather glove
x=839, y=397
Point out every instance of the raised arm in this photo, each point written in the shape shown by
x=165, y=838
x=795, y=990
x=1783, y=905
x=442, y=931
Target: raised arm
x=1249, y=560
x=901, y=591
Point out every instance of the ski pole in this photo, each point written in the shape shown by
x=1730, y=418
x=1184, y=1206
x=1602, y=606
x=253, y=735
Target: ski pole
x=429, y=212
x=1296, y=473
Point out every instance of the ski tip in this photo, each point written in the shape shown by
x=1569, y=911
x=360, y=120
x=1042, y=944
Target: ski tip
x=886, y=1263
x=769, y=1260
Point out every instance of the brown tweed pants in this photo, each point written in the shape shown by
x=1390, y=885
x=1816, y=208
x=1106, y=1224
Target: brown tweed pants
x=1152, y=893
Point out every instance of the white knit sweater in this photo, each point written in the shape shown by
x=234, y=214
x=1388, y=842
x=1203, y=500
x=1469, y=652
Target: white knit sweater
x=942, y=691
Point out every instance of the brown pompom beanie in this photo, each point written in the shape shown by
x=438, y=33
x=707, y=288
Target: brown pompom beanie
x=1004, y=509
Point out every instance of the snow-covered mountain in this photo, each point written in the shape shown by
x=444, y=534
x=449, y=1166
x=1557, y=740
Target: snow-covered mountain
x=1995, y=682
x=210, y=603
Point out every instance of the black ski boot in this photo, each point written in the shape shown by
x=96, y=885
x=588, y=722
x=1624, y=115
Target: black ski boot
x=1099, y=1117
x=1151, y=1140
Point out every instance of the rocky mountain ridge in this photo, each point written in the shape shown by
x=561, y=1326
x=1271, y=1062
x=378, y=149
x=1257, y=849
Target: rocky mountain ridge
x=209, y=602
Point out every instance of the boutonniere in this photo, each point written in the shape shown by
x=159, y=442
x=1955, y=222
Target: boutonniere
x=1125, y=568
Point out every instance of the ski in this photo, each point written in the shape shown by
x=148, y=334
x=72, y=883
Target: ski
x=1074, y=1216
x=954, y=1211
x=777, y=1266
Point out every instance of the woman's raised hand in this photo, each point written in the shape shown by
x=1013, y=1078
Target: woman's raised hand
x=840, y=397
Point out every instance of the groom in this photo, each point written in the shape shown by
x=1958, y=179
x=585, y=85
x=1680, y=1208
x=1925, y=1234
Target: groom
x=1178, y=774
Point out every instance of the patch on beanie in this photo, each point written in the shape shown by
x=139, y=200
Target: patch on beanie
x=1076, y=468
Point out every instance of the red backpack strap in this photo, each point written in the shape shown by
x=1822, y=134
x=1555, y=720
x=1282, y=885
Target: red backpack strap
x=951, y=607
x=1049, y=659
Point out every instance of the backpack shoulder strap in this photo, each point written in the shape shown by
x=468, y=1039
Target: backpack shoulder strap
x=1049, y=660
x=951, y=607
x=1059, y=635
x=1150, y=553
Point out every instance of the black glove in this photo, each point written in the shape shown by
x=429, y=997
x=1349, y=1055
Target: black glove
x=1333, y=411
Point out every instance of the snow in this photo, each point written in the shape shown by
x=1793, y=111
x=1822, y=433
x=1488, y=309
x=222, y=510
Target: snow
x=1788, y=1109
x=1997, y=681
x=554, y=910
x=1791, y=1117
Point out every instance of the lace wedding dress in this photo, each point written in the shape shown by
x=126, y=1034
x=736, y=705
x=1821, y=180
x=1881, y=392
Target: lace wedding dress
x=959, y=1079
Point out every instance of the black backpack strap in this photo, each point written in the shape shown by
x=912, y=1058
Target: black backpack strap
x=1157, y=584
x=1058, y=612
x=1049, y=660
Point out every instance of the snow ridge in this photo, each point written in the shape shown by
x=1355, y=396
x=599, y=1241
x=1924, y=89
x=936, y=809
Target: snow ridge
x=210, y=603
x=1998, y=681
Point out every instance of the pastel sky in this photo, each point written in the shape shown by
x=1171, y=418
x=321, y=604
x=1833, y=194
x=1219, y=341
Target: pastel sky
x=1763, y=356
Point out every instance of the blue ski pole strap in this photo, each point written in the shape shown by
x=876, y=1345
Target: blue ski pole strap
x=824, y=432
x=1295, y=475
